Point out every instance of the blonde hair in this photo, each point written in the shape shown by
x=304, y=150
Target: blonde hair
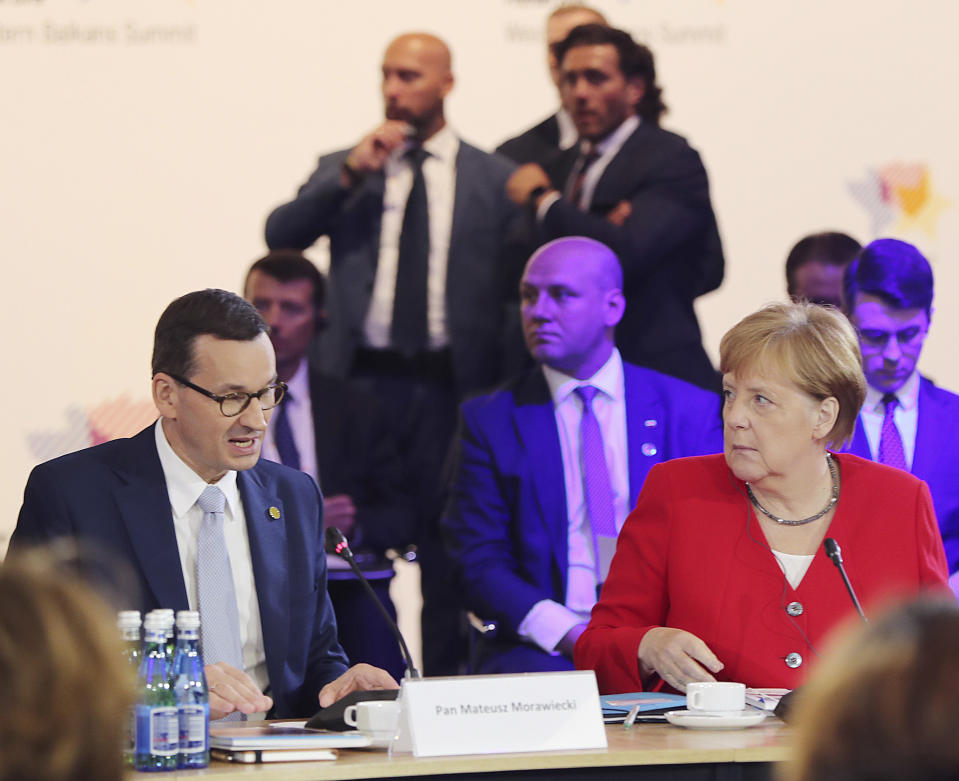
x=884, y=704
x=66, y=688
x=812, y=346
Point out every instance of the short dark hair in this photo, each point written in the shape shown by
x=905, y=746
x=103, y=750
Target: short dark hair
x=211, y=312
x=894, y=271
x=830, y=247
x=288, y=265
x=635, y=62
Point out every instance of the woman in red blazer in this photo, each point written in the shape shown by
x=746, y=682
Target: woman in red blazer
x=719, y=572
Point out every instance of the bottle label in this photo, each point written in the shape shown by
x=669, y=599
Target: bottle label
x=158, y=730
x=194, y=719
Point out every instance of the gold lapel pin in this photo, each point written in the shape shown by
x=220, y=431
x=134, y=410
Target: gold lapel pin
x=274, y=513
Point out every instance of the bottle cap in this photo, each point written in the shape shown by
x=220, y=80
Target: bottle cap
x=187, y=619
x=128, y=619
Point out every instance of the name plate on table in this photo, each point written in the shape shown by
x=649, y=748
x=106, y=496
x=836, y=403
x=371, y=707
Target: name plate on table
x=498, y=714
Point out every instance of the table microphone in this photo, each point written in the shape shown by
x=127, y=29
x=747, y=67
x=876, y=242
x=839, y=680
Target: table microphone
x=337, y=545
x=834, y=553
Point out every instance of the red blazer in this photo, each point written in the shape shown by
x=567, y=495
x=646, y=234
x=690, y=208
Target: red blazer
x=692, y=555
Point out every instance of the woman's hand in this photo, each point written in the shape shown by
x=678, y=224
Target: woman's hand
x=676, y=656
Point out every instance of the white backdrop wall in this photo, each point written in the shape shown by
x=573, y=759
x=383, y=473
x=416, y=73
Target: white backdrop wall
x=143, y=142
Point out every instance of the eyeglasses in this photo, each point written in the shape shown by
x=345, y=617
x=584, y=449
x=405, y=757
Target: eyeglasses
x=232, y=404
x=878, y=339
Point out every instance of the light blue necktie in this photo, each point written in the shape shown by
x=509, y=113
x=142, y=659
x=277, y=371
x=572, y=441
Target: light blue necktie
x=216, y=594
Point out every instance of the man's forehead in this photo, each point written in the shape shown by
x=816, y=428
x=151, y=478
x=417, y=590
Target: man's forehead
x=871, y=308
x=265, y=286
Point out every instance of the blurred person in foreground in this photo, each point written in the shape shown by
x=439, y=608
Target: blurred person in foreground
x=719, y=572
x=884, y=704
x=66, y=690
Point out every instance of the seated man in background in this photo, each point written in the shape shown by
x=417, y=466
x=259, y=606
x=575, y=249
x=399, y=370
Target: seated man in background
x=557, y=132
x=906, y=420
x=343, y=439
x=547, y=468
x=188, y=505
x=815, y=266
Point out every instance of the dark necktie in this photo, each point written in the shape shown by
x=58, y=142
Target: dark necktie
x=890, y=442
x=283, y=436
x=577, y=177
x=409, y=329
x=596, y=483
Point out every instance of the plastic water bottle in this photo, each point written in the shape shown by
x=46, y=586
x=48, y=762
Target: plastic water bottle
x=192, y=694
x=167, y=614
x=128, y=622
x=158, y=727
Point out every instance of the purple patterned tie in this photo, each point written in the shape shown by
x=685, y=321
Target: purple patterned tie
x=599, y=491
x=890, y=442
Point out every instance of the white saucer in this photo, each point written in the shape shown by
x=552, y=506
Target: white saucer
x=749, y=717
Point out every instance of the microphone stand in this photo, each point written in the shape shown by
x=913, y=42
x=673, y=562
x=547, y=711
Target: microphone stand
x=835, y=554
x=336, y=544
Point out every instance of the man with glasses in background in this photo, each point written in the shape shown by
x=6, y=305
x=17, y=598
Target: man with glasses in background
x=188, y=506
x=906, y=421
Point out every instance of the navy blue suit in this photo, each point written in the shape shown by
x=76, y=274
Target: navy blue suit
x=114, y=497
x=935, y=458
x=507, y=521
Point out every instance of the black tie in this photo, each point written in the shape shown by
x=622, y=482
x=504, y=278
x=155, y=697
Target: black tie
x=409, y=330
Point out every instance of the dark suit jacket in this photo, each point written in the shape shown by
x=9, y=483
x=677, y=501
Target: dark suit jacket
x=536, y=145
x=356, y=454
x=934, y=459
x=485, y=260
x=114, y=497
x=669, y=246
x=507, y=522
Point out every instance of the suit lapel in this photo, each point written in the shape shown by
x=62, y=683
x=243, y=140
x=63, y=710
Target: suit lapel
x=645, y=426
x=268, y=551
x=144, y=505
x=535, y=422
x=623, y=172
x=860, y=444
x=929, y=443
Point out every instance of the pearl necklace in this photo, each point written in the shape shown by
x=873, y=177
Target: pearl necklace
x=834, y=497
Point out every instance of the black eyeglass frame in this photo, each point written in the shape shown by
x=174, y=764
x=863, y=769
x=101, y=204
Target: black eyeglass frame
x=278, y=385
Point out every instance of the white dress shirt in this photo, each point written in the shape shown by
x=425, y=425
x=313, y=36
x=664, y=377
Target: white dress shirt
x=906, y=417
x=184, y=487
x=439, y=173
x=299, y=411
x=548, y=621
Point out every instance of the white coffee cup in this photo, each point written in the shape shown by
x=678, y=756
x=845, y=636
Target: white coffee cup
x=376, y=718
x=716, y=697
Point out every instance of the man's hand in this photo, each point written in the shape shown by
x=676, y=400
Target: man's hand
x=373, y=150
x=677, y=656
x=233, y=690
x=620, y=213
x=566, y=645
x=524, y=180
x=360, y=677
x=339, y=511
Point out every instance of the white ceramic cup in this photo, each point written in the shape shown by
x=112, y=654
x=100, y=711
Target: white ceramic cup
x=376, y=718
x=716, y=697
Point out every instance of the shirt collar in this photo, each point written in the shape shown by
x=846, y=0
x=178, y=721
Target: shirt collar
x=908, y=395
x=443, y=145
x=183, y=485
x=567, y=130
x=299, y=385
x=617, y=138
x=608, y=379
